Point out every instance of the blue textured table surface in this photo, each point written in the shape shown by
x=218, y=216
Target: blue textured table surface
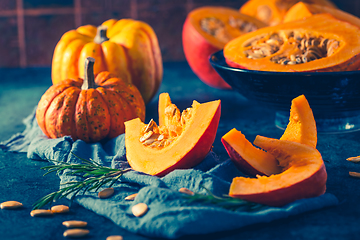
x=23, y=180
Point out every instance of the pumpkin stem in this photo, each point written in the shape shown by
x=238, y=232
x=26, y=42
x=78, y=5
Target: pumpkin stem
x=101, y=35
x=89, y=78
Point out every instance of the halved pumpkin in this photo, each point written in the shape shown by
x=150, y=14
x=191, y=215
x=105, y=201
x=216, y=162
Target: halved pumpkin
x=304, y=175
x=272, y=11
x=302, y=126
x=303, y=10
x=318, y=43
x=248, y=158
x=206, y=30
x=181, y=141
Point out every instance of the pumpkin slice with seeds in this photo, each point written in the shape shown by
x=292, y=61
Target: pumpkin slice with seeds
x=317, y=43
x=180, y=141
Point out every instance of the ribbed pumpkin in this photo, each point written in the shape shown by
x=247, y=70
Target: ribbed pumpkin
x=90, y=109
x=126, y=48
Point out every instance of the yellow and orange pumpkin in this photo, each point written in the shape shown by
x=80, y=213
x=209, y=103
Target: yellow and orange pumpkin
x=126, y=48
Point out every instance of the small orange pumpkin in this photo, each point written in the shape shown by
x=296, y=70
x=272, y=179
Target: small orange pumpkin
x=89, y=109
x=126, y=48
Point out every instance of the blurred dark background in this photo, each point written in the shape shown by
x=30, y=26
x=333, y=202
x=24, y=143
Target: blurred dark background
x=30, y=29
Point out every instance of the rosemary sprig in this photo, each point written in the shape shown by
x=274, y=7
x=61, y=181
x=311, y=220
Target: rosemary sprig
x=227, y=202
x=93, y=175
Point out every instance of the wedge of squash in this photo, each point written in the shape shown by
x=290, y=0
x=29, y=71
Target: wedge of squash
x=248, y=158
x=181, y=141
x=304, y=175
x=317, y=43
x=302, y=126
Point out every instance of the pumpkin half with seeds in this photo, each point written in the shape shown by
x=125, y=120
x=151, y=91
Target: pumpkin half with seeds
x=317, y=43
x=180, y=141
x=89, y=109
x=206, y=30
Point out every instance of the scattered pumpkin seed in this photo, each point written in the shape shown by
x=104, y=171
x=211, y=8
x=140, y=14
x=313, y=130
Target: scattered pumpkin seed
x=11, y=205
x=106, y=193
x=60, y=209
x=114, y=237
x=354, y=159
x=139, y=209
x=74, y=224
x=354, y=174
x=40, y=212
x=186, y=191
x=131, y=197
x=76, y=233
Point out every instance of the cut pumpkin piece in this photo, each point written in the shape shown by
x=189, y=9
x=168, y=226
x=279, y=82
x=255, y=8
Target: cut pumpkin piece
x=320, y=43
x=304, y=175
x=181, y=141
x=302, y=126
x=303, y=10
x=248, y=158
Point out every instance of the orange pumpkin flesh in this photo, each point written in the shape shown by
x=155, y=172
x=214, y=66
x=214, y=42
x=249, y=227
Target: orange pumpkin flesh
x=302, y=126
x=345, y=56
x=304, y=175
x=303, y=10
x=90, y=110
x=199, y=44
x=272, y=11
x=247, y=158
x=192, y=142
x=127, y=48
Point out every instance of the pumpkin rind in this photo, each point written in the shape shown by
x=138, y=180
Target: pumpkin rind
x=272, y=11
x=199, y=45
x=304, y=175
x=89, y=114
x=247, y=158
x=345, y=58
x=188, y=150
x=131, y=51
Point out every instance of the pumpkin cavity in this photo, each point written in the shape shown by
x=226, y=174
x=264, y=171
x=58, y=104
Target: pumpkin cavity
x=217, y=27
x=296, y=47
x=155, y=136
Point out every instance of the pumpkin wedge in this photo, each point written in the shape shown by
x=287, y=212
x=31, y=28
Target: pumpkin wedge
x=303, y=10
x=248, y=158
x=304, y=175
x=302, y=126
x=181, y=141
x=206, y=30
x=317, y=43
x=272, y=11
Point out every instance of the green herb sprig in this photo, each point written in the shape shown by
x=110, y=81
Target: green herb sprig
x=227, y=202
x=93, y=175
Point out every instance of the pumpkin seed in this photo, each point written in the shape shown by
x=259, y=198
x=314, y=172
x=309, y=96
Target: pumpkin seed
x=354, y=159
x=139, y=209
x=60, y=209
x=40, y=212
x=74, y=224
x=354, y=174
x=146, y=136
x=106, y=193
x=186, y=191
x=114, y=237
x=131, y=197
x=11, y=205
x=76, y=233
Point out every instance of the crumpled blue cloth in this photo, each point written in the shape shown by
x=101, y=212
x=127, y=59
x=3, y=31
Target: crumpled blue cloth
x=170, y=215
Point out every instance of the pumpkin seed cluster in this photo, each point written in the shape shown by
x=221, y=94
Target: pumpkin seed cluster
x=156, y=136
x=299, y=47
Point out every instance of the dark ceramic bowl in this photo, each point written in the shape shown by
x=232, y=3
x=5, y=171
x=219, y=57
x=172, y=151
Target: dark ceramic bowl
x=333, y=96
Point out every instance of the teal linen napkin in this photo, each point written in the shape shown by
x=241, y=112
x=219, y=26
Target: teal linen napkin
x=170, y=214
